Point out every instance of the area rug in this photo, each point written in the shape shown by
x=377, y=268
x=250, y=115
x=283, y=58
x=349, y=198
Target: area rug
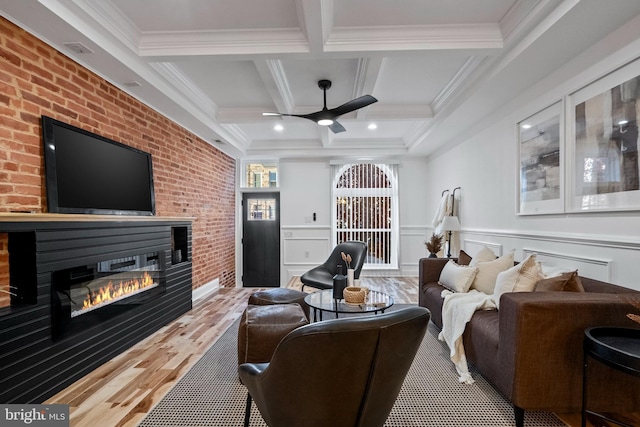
x=209, y=394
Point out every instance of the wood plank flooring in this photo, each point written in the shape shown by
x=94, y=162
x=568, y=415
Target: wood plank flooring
x=123, y=390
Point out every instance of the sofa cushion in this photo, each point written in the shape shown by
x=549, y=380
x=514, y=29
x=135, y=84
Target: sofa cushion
x=568, y=282
x=520, y=278
x=457, y=278
x=485, y=280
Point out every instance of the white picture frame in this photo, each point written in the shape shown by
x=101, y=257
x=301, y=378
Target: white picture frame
x=602, y=143
x=541, y=175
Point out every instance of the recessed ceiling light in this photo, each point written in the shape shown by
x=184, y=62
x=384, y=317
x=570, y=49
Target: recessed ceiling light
x=278, y=127
x=372, y=126
x=526, y=126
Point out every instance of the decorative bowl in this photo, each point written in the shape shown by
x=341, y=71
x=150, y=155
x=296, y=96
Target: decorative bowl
x=354, y=295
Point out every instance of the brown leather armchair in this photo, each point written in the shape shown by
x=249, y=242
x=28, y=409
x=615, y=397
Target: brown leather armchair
x=341, y=372
x=321, y=277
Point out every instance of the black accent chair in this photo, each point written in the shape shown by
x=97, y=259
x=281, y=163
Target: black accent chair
x=321, y=277
x=340, y=373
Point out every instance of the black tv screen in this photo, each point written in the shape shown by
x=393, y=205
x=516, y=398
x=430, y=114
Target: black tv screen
x=90, y=174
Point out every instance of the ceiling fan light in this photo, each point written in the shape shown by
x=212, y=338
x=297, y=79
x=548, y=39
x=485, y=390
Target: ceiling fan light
x=325, y=122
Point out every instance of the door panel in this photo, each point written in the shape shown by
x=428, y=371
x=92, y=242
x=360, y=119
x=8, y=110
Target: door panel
x=261, y=239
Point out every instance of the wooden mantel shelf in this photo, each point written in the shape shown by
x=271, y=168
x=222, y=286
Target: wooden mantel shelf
x=52, y=217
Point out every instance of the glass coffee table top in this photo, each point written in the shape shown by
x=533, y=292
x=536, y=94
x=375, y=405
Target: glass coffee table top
x=323, y=301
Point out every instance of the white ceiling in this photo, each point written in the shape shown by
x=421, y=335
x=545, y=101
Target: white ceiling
x=437, y=67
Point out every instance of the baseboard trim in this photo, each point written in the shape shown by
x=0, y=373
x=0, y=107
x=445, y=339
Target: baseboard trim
x=205, y=290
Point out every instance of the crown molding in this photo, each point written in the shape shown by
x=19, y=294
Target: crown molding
x=416, y=37
x=456, y=84
x=403, y=112
x=223, y=42
x=185, y=86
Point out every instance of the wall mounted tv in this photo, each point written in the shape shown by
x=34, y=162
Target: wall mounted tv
x=89, y=174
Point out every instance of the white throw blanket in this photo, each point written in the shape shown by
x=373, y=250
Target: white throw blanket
x=443, y=209
x=456, y=313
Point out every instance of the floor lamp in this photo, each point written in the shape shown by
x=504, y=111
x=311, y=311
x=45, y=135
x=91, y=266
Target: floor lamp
x=450, y=224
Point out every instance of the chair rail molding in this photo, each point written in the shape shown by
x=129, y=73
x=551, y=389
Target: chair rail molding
x=600, y=269
x=613, y=242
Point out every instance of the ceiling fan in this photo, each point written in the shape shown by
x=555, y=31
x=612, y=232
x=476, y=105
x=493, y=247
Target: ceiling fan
x=328, y=117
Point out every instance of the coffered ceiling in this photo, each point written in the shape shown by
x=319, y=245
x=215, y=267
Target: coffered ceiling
x=436, y=67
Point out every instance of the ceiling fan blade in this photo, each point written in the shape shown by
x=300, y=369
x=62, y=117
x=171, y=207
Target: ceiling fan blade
x=354, y=104
x=336, y=127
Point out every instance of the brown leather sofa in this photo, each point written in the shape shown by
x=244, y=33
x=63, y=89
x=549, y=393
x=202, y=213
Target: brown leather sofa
x=531, y=349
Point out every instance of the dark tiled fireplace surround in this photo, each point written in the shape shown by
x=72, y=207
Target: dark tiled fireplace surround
x=85, y=291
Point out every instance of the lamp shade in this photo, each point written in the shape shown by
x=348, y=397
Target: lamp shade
x=450, y=223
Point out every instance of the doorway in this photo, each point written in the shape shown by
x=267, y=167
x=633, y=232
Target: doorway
x=261, y=239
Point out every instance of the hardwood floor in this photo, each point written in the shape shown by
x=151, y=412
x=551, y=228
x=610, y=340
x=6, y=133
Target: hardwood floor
x=123, y=390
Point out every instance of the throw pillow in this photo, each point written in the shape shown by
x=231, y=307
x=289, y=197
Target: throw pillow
x=484, y=254
x=520, y=278
x=567, y=282
x=485, y=280
x=464, y=258
x=457, y=278
x=554, y=271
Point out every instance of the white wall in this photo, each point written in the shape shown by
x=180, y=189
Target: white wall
x=484, y=163
x=305, y=189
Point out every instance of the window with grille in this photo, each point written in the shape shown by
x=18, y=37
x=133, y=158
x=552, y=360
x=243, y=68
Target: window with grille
x=259, y=174
x=365, y=199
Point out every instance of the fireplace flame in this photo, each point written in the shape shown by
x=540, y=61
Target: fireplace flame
x=114, y=292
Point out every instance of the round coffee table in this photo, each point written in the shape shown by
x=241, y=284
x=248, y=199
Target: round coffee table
x=616, y=347
x=322, y=301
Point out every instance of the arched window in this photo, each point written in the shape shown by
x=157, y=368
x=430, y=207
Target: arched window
x=365, y=199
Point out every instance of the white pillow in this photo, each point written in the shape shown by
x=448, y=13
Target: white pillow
x=520, y=278
x=484, y=254
x=485, y=280
x=457, y=278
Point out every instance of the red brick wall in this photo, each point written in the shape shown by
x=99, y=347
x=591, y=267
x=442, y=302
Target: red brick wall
x=192, y=178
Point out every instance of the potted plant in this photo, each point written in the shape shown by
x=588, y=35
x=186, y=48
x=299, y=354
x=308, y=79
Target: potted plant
x=434, y=245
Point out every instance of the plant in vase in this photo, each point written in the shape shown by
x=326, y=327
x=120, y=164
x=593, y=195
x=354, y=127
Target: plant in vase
x=350, y=272
x=434, y=245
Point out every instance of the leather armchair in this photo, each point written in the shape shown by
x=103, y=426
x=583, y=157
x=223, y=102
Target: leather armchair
x=321, y=277
x=339, y=373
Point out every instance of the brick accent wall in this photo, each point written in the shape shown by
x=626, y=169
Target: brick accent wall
x=192, y=178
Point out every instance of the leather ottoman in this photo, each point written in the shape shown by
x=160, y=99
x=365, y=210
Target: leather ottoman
x=280, y=296
x=262, y=327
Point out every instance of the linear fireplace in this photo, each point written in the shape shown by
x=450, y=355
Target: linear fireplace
x=91, y=294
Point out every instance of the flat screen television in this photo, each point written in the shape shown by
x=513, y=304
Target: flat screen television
x=90, y=174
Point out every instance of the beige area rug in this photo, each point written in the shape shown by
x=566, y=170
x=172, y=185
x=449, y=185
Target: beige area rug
x=210, y=394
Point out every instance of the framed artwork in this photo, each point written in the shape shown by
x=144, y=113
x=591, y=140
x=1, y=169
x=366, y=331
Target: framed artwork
x=541, y=162
x=602, y=147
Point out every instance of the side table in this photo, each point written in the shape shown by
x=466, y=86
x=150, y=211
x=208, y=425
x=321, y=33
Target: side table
x=618, y=348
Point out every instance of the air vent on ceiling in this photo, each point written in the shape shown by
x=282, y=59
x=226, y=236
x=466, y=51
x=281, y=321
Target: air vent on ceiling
x=77, y=47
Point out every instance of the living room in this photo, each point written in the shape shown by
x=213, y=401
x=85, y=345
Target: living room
x=201, y=179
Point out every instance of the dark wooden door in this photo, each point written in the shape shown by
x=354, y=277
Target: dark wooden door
x=261, y=239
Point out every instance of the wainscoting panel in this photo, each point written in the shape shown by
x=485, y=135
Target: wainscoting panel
x=303, y=250
x=599, y=269
x=412, y=248
x=472, y=247
x=303, y=247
